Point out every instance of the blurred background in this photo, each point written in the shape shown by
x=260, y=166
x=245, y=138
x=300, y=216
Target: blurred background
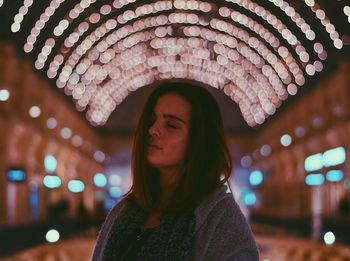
x=74, y=76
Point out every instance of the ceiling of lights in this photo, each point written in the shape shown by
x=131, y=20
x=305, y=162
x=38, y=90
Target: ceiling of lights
x=257, y=53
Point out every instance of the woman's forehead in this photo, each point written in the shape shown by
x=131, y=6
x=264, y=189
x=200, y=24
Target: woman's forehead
x=172, y=104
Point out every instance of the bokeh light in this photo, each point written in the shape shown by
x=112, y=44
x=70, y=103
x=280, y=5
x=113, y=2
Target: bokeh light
x=329, y=238
x=52, y=236
x=100, y=180
x=256, y=178
x=50, y=163
x=286, y=140
x=76, y=186
x=4, y=95
x=52, y=182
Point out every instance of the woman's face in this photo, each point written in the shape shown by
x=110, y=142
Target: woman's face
x=168, y=134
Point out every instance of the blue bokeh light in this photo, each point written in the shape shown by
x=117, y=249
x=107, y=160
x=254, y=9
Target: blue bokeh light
x=248, y=197
x=50, y=164
x=314, y=179
x=115, y=192
x=256, y=178
x=76, y=186
x=16, y=175
x=52, y=182
x=100, y=180
x=335, y=175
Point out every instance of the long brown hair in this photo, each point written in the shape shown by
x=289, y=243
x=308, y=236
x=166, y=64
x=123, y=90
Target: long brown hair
x=208, y=161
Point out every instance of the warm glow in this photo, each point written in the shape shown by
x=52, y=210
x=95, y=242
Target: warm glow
x=257, y=60
x=34, y=111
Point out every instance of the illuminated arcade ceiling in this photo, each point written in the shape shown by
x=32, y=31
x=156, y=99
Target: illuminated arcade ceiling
x=257, y=52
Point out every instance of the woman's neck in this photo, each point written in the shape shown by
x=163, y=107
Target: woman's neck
x=168, y=181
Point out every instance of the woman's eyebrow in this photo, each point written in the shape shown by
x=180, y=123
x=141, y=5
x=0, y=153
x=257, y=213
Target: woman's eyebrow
x=171, y=116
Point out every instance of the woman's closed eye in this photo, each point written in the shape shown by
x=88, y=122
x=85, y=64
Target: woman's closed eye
x=172, y=126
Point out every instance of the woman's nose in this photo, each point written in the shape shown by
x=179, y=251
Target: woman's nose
x=154, y=130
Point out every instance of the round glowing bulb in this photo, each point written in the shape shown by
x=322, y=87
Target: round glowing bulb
x=4, y=95
x=115, y=180
x=52, y=181
x=299, y=131
x=310, y=2
x=76, y=186
x=34, y=111
x=286, y=140
x=15, y=27
x=99, y=156
x=338, y=43
x=51, y=123
x=66, y=133
x=77, y=141
x=50, y=163
x=100, y=180
x=265, y=150
x=256, y=178
x=329, y=238
x=115, y=192
x=292, y=89
x=246, y=161
x=347, y=10
x=52, y=236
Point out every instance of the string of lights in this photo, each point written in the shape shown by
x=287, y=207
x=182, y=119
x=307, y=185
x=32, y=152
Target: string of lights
x=257, y=53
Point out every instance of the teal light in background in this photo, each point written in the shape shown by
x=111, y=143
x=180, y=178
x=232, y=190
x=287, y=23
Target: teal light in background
x=248, y=197
x=314, y=162
x=52, y=182
x=335, y=175
x=76, y=186
x=314, y=179
x=334, y=157
x=100, y=180
x=115, y=192
x=256, y=178
x=50, y=164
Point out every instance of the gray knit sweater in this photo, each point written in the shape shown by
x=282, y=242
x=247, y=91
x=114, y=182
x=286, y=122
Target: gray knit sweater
x=221, y=231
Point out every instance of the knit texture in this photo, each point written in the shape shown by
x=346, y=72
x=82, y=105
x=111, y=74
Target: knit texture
x=173, y=238
x=220, y=231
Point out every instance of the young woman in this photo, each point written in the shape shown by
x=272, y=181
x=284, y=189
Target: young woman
x=177, y=207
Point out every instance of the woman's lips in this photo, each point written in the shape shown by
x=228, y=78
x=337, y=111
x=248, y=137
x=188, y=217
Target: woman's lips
x=154, y=146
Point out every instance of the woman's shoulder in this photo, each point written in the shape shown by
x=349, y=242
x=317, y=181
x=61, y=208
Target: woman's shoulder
x=223, y=229
x=214, y=203
x=116, y=210
x=106, y=229
x=118, y=206
x=220, y=210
